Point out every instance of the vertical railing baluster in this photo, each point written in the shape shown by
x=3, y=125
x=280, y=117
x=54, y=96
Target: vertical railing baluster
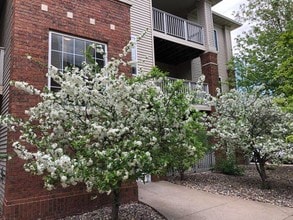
x=165, y=24
x=185, y=30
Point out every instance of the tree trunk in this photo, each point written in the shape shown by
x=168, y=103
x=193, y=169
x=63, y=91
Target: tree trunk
x=263, y=175
x=262, y=172
x=115, y=203
x=260, y=166
x=181, y=175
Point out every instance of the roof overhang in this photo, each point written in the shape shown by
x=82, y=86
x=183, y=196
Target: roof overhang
x=214, y=2
x=128, y=2
x=225, y=21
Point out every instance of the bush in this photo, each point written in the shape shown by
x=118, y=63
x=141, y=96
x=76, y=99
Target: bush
x=229, y=167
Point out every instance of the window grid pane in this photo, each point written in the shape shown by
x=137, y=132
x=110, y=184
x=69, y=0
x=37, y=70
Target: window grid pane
x=70, y=51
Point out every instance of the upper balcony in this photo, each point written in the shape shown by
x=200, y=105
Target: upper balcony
x=178, y=30
x=176, y=39
x=177, y=27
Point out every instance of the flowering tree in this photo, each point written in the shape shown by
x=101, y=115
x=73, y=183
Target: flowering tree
x=263, y=54
x=179, y=125
x=254, y=123
x=102, y=128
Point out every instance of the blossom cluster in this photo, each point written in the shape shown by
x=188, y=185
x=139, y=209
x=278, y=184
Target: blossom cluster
x=102, y=128
x=254, y=123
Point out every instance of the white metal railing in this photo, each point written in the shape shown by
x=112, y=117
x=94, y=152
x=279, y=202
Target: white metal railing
x=177, y=27
x=189, y=86
x=1, y=65
x=205, y=164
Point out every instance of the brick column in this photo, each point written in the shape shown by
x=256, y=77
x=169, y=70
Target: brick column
x=209, y=65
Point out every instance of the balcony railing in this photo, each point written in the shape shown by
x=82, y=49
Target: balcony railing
x=189, y=86
x=177, y=27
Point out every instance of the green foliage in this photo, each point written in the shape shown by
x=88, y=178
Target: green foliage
x=101, y=128
x=252, y=122
x=229, y=167
x=264, y=54
x=185, y=139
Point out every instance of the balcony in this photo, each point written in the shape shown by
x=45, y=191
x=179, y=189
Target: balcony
x=190, y=86
x=177, y=27
x=176, y=40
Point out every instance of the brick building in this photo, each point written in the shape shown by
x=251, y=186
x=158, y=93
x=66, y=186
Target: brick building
x=54, y=31
x=186, y=40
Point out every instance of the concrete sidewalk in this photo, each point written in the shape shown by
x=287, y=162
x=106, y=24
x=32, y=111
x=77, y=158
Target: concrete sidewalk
x=179, y=202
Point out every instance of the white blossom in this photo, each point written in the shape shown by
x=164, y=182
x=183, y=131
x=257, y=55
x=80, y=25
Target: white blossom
x=254, y=123
x=102, y=128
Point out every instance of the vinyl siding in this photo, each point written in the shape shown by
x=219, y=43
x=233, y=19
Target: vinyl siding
x=205, y=18
x=222, y=57
x=141, y=19
x=192, y=16
x=196, y=70
x=6, y=42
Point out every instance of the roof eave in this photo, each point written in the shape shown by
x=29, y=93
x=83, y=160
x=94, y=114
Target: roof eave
x=223, y=20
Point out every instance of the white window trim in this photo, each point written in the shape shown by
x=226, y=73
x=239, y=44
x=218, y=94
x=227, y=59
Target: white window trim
x=134, y=38
x=72, y=36
x=2, y=51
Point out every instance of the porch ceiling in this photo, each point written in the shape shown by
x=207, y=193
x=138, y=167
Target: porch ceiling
x=174, y=7
x=173, y=53
x=179, y=8
x=1, y=6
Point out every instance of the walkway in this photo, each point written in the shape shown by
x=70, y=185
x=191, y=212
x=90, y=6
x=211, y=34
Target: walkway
x=179, y=202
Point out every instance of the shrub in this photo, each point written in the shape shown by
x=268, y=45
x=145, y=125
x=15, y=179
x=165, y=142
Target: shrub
x=229, y=167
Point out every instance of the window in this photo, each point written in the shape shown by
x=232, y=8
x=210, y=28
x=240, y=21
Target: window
x=216, y=43
x=134, y=56
x=68, y=51
x=1, y=65
x=220, y=84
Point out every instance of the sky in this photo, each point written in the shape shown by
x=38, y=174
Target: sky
x=227, y=7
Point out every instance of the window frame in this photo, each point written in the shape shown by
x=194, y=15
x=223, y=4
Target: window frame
x=105, y=56
x=134, y=50
x=216, y=40
x=2, y=54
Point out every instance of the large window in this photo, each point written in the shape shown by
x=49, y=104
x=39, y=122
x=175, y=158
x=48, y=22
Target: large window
x=68, y=51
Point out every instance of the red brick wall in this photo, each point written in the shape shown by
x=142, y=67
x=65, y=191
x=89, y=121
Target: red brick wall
x=63, y=203
x=24, y=196
x=6, y=26
x=209, y=63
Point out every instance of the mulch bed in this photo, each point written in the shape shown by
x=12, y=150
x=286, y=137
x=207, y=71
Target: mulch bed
x=247, y=186
x=132, y=211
